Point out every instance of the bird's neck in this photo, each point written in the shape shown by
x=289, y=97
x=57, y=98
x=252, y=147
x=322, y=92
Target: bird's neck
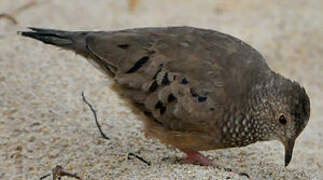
x=260, y=107
x=252, y=115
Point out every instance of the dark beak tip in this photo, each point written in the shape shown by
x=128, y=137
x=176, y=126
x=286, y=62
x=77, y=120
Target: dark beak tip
x=289, y=151
x=286, y=164
x=288, y=158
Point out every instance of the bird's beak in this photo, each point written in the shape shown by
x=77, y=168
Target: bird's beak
x=289, y=146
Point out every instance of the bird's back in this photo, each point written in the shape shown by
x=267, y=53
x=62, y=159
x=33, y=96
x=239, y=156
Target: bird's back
x=213, y=66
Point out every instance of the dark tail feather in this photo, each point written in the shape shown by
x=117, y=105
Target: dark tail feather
x=75, y=41
x=65, y=39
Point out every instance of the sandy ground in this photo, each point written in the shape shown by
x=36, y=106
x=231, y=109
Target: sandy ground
x=43, y=121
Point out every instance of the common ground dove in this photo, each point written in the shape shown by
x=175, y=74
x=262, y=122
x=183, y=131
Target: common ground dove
x=199, y=89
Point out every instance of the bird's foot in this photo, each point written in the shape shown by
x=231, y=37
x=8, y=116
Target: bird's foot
x=196, y=158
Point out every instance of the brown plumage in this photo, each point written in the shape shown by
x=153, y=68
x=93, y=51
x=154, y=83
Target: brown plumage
x=199, y=89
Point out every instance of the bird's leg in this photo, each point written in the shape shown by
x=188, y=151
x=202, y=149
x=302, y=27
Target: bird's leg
x=196, y=158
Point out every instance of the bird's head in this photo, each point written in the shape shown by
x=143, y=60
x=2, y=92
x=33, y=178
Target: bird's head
x=290, y=112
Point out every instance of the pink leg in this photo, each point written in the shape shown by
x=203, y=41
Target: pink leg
x=197, y=159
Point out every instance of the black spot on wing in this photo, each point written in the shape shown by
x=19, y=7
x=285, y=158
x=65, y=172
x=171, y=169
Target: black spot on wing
x=171, y=98
x=199, y=97
x=158, y=71
x=158, y=105
x=202, y=98
x=193, y=93
x=165, y=80
x=138, y=64
x=123, y=46
x=184, y=81
x=162, y=110
x=153, y=86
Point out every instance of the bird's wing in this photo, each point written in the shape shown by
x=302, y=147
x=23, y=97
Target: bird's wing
x=181, y=77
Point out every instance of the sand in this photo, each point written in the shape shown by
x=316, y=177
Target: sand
x=44, y=122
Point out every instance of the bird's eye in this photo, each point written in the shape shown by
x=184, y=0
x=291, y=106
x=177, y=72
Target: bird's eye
x=282, y=120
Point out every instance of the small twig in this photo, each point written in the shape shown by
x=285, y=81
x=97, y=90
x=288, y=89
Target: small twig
x=43, y=177
x=9, y=17
x=239, y=173
x=244, y=174
x=58, y=172
x=95, y=117
x=140, y=158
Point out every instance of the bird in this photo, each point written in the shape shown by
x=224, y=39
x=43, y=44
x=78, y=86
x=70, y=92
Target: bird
x=198, y=89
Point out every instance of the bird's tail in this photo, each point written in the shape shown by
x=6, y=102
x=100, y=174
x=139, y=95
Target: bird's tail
x=72, y=40
x=66, y=39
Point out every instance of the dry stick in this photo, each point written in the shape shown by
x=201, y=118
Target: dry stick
x=104, y=136
x=244, y=174
x=9, y=17
x=138, y=157
x=12, y=15
x=43, y=177
x=240, y=173
x=59, y=172
x=95, y=117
